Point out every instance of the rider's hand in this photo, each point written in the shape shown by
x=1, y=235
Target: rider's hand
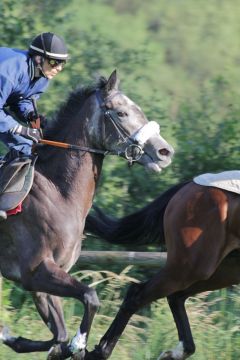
x=37, y=121
x=33, y=134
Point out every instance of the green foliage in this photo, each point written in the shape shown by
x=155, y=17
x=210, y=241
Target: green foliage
x=207, y=133
x=15, y=24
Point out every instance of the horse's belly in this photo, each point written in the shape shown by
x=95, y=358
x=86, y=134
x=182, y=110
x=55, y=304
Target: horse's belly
x=9, y=267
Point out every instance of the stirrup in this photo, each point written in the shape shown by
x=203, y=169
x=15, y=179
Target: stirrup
x=3, y=215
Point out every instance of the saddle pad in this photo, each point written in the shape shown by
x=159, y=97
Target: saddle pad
x=15, y=211
x=16, y=192
x=226, y=180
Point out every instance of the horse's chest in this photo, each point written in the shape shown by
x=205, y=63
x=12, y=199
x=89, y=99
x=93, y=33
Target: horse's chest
x=66, y=262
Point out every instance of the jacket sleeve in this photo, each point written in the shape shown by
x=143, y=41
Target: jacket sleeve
x=23, y=107
x=6, y=121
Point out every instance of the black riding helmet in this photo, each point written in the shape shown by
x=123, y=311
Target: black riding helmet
x=49, y=46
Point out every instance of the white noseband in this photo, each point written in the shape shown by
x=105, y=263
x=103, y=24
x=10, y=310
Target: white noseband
x=146, y=132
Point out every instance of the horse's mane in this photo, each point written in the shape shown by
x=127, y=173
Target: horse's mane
x=145, y=226
x=73, y=103
x=63, y=119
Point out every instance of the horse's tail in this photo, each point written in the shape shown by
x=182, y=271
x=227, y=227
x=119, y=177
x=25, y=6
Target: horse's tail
x=142, y=227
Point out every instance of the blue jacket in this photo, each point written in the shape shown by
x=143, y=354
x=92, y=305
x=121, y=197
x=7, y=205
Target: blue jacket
x=17, y=85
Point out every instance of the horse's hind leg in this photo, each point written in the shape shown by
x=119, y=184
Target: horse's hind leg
x=51, y=279
x=227, y=273
x=50, y=310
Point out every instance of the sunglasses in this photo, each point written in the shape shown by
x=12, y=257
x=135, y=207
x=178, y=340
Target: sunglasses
x=55, y=63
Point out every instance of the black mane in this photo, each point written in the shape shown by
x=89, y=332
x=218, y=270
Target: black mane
x=73, y=103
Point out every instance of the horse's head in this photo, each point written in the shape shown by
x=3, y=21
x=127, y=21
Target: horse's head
x=126, y=131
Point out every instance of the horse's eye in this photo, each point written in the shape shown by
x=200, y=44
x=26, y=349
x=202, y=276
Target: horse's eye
x=121, y=114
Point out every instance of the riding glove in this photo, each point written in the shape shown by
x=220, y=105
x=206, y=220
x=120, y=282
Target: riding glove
x=33, y=134
x=37, y=121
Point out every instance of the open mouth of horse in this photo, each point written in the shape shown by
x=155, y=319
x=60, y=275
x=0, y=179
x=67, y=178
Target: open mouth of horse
x=153, y=160
x=154, y=166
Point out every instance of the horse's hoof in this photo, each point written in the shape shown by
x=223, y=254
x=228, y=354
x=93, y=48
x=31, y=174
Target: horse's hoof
x=80, y=355
x=177, y=353
x=55, y=353
x=93, y=355
x=166, y=355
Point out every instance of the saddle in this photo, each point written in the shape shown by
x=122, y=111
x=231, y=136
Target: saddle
x=16, y=179
x=226, y=180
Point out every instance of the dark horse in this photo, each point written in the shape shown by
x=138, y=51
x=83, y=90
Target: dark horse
x=200, y=228
x=39, y=246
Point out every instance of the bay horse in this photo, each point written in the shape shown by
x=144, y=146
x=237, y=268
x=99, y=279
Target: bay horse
x=199, y=226
x=39, y=246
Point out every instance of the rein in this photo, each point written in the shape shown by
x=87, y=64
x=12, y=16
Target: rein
x=75, y=147
x=96, y=151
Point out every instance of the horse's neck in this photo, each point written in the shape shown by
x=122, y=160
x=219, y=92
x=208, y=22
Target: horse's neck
x=72, y=187
x=71, y=171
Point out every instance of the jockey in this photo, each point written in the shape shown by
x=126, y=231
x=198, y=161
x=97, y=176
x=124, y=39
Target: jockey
x=24, y=76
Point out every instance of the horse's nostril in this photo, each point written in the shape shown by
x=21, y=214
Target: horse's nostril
x=164, y=152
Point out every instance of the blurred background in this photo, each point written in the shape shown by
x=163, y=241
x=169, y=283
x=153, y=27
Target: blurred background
x=179, y=60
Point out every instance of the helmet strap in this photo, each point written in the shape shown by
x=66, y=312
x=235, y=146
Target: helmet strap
x=38, y=61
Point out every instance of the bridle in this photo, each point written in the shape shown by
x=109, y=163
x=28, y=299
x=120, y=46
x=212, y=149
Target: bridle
x=133, y=151
x=134, y=144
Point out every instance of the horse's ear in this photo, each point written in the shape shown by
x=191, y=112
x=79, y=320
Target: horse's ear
x=113, y=82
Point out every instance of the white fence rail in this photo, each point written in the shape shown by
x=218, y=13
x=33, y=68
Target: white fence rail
x=143, y=259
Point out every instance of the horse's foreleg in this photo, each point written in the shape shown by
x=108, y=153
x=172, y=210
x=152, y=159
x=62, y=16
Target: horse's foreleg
x=50, y=310
x=49, y=278
x=107, y=343
x=49, y=307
